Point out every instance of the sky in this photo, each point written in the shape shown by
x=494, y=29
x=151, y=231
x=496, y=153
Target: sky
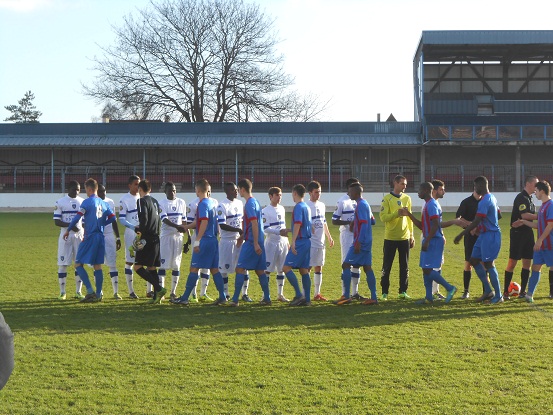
x=355, y=54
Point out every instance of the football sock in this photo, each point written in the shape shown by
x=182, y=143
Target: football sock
x=306, y=282
x=508, y=279
x=427, y=278
x=99, y=281
x=114, y=281
x=524, y=276
x=205, y=283
x=346, y=277
x=435, y=287
x=342, y=281
x=371, y=282
x=191, y=282
x=155, y=279
x=293, y=280
x=280, y=278
x=128, y=277
x=225, y=282
x=162, y=273
x=481, y=272
x=355, y=275
x=264, y=282
x=494, y=280
x=533, y=282
x=550, y=282
x=78, y=283
x=174, y=281
x=84, y=277
x=219, y=284
x=466, y=279
x=437, y=277
x=246, y=284
x=62, y=279
x=317, y=280
x=238, y=283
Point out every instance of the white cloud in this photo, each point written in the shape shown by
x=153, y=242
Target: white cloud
x=25, y=5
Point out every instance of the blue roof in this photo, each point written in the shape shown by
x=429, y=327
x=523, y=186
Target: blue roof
x=155, y=134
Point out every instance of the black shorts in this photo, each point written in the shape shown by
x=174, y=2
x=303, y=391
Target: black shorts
x=149, y=256
x=521, y=244
x=469, y=241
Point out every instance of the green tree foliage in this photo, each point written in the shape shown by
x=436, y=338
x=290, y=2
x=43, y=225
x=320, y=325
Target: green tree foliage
x=25, y=112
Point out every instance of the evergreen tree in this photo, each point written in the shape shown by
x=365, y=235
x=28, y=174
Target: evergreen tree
x=25, y=112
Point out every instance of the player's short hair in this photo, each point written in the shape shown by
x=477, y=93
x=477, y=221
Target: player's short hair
x=481, y=181
x=101, y=187
x=228, y=185
x=312, y=185
x=91, y=184
x=168, y=185
x=132, y=178
x=399, y=178
x=428, y=186
x=202, y=184
x=544, y=187
x=274, y=190
x=437, y=183
x=356, y=187
x=530, y=179
x=145, y=185
x=245, y=184
x=351, y=181
x=73, y=184
x=299, y=189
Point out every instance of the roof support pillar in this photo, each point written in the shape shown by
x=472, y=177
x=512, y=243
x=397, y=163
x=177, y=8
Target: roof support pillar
x=422, y=163
x=518, y=170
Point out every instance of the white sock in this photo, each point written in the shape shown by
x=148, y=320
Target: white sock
x=246, y=285
x=318, y=279
x=435, y=287
x=175, y=281
x=128, y=277
x=205, y=283
x=225, y=278
x=280, y=283
x=355, y=274
x=114, y=274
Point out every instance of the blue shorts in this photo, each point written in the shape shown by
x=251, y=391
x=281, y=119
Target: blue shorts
x=543, y=257
x=249, y=259
x=432, y=257
x=364, y=257
x=92, y=250
x=302, y=259
x=208, y=257
x=487, y=246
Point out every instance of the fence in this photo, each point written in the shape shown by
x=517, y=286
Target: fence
x=375, y=178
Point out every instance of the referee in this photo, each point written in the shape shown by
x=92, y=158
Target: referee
x=521, y=239
x=467, y=210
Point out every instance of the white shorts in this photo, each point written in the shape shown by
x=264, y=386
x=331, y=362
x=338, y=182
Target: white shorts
x=170, y=250
x=67, y=250
x=228, y=255
x=275, y=254
x=129, y=239
x=110, y=258
x=317, y=257
x=346, y=241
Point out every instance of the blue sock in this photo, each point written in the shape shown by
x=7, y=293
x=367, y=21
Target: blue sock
x=293, y=280
x=428, y=286
x=190, y=285
x=306, y=282
x=437, y=276
x=346, y=278
x=220, y=285
x=99, y=281
x=371, y=282
x=494, y=279
x=533, y=282
x=238, y=283
x=481, y=272
x=84, y=278
x=264, y=282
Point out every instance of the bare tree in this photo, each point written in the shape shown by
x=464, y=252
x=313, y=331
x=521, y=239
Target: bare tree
x=198, y=60
x=25, y=112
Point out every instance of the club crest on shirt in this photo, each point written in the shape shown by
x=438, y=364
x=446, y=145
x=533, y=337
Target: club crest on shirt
x=62, y=257
x=522, y=207
x=174, y=208
x=264, y=220
x=120, y=207
x=74, y=205
x=399, y=202
x=219, y=212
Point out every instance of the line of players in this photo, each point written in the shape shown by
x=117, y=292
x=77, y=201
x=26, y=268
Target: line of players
x=229, y=220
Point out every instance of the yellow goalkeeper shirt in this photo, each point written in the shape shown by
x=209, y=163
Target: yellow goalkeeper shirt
x=396, y=228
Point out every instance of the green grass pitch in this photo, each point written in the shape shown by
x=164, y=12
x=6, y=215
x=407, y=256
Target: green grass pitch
x=128, y=357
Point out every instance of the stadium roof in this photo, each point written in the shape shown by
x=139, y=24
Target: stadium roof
x=149, y=135
x=510, y=45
